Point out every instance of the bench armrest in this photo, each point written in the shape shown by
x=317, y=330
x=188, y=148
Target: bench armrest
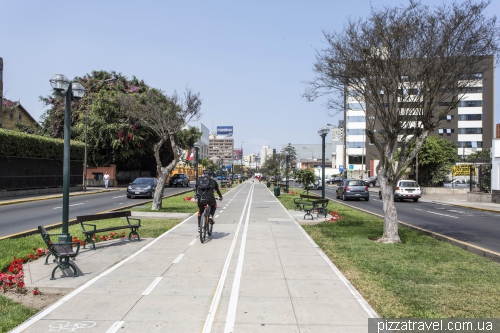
x=94, y=226
x=135, y=219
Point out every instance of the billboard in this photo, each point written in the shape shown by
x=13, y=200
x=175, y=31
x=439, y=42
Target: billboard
x=238, y=154
x=225, y=130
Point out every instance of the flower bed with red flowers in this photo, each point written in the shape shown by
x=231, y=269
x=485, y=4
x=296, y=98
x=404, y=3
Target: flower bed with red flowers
x=13, y=278
x=335, y=216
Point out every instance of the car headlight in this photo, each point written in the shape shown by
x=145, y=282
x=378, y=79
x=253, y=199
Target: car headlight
x=129, y=188
x=148, y=188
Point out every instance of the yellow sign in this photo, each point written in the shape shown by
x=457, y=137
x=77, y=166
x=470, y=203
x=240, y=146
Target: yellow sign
x=463, y=170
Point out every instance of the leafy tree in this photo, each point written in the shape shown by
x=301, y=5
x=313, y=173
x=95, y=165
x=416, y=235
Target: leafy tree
x=483, y=158
x=435, y=159
x=308, y=177
x=292, y=158
x=165, y=116
x=112, y=136
x=406, y=67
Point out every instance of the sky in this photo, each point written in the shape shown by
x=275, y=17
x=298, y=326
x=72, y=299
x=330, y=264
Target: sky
x=247, y=59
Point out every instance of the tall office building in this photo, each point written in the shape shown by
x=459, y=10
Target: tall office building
x=266, y=152
x=469, y=125
x=221, y=148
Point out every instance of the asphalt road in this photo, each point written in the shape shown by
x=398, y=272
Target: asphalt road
x=25, y=216
x=480, y=228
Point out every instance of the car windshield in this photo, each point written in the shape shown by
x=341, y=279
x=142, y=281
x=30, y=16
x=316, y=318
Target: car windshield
x=355, y=183
x=143, y=181
x=176, y=176
x=408, y=184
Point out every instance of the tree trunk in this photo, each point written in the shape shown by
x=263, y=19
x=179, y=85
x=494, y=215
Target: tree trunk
x=163, y=172
x=387, y=187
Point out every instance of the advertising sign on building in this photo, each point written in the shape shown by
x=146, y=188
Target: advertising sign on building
x=238, y=154
x=225, y=130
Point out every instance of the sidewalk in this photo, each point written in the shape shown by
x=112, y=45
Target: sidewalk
x=259, y=272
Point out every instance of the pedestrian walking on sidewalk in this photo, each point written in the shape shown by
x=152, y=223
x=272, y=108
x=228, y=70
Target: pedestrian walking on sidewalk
x=106, y=179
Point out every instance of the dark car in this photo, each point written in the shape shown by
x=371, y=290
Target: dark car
x=334, y=180
x=142, y=187
x=179, y=179
x=372, y=181
x=353, y=189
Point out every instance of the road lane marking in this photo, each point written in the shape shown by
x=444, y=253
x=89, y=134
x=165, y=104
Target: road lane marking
x=207, y=327
x=235, y=292
x=78, y=204
x=427, y=211
x=115, y=327
x=193, y=241
x=152, y=286
x=179, y=257
x=121, y=196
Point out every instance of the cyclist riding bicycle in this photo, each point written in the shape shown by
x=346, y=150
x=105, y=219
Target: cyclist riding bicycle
x=205, y=194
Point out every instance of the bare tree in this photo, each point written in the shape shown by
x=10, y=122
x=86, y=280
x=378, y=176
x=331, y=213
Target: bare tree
x=406, y=67
x=165, y=116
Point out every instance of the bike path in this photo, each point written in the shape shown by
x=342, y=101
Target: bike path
x=258, y=272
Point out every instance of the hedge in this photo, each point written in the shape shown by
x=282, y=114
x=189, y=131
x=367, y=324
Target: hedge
x=19, y=144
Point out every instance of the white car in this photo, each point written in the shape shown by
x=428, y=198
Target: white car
x=406, y=189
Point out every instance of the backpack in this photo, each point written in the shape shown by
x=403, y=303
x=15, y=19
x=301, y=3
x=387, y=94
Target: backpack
x=205, y=189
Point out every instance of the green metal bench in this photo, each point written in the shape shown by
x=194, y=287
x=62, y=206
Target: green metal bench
x=62, y=252
x=321, y=205
x=90, y=233
x=304, y=199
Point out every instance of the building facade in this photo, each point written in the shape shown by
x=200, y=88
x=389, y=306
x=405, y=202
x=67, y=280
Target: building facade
x=470, y=126
x=221, y=148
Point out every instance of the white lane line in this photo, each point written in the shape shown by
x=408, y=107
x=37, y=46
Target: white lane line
x=120, y=196
x=235, y=292
x=194, y=241
x=116, y=326
x=207, y=327
x=152, y=286
x=427, y=211
x=178, y=259
x=78, y=204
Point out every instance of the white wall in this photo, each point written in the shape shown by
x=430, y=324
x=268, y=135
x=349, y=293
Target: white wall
x=495, y=164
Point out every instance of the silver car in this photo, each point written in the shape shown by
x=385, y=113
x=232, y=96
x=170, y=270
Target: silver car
x=353, y=189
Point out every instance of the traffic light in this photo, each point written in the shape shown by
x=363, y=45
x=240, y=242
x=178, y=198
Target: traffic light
x=341, y=133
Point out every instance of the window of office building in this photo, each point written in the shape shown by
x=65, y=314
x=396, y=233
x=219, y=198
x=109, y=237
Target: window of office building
x=470, y=144
x=469, y=104
x=470, y=131
x=356, y=119
x=356, y=131
x=355, y=144
x=472, y=90
x=470, y=117
x=355, y=159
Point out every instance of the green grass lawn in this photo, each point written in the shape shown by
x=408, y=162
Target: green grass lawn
x=421, y=277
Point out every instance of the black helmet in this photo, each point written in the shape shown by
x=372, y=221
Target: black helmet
x=207, y=172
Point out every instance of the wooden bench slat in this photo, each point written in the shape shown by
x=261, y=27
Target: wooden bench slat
x=97, y=217
x=129, y=226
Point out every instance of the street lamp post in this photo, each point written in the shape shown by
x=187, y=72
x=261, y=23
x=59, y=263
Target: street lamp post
x=287, y=155
x=241, y=161
x=323, y=132
x=196, y=148
x=70, y=91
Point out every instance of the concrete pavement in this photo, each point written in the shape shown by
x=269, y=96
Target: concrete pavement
x=259, y=272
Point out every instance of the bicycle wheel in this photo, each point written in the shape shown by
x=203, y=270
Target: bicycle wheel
x=210, y=227
x=203, y=229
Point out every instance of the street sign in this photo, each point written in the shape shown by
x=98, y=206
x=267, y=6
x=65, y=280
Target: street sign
x=351, y=166
x=341, y=169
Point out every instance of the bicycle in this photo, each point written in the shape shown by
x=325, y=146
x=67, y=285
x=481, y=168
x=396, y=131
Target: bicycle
x=206, y=227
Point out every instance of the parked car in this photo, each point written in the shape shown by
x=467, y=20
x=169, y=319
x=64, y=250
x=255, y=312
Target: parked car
x=179, y=179
x=334, y=180
x=457, y=183
x=142, y=187
x=406, y=189
x=353, y=189
x=371, y=181
x=221, y=177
